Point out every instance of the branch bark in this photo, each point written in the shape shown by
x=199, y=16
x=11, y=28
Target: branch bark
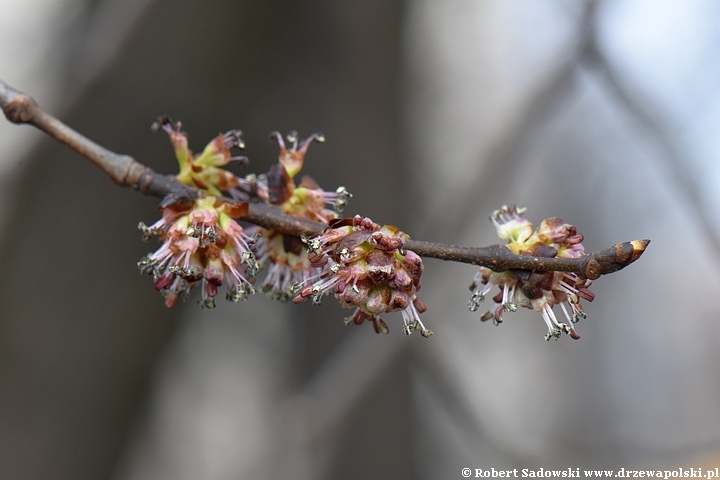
x=125, y=171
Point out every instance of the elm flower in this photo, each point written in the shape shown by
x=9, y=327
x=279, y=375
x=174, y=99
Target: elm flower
x=367, y=268
x=540, y=291
x=286, y=255
x=306, y=200
x=204, y=169
x=202, y=244
x=288, y=262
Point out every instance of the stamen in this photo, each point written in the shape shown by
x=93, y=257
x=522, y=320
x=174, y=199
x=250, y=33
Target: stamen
x=478, y=296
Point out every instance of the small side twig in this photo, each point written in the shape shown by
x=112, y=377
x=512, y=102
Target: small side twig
x=127, y=172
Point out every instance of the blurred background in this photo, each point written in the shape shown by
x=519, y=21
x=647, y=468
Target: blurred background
x=436, y=113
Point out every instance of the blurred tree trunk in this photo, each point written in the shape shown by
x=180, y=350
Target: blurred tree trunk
x=80, y=330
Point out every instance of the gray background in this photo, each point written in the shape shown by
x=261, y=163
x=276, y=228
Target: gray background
x=436, y=113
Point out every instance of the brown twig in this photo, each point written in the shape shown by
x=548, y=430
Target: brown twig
x=127, y=172
x=122, y=169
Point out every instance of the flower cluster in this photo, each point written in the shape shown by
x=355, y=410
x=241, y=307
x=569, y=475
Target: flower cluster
x=203, y=170
x=540, y=291
x=289, y=265
x=367, y=268
x=306, y=200
x=363, y=264
x=202, y=244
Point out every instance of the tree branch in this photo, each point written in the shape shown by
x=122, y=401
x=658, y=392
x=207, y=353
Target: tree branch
x=127, y=172
x=122, y=169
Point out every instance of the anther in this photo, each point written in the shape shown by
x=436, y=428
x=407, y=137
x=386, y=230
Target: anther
x=208, y=303
x=316, y=295
x=210, y=234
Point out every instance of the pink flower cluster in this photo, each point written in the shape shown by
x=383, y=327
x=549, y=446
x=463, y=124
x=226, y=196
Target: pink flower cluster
x=366, y=267
x=202, y=244
x=540, y=291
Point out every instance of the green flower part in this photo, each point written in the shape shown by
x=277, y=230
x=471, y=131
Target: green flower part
x=204, y=171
